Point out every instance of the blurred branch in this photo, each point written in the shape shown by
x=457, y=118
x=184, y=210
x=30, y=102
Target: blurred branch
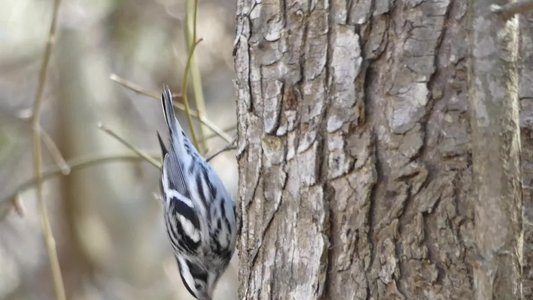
x=133, y=148
x=191, y=37
x=37, y=160
x=230, y=146
x=19, y=208
x=51, y=146
x=138, y=89
x=225, y=129
x=54, y=152
x=508, y=10
x=74, y=164
x=184, y=94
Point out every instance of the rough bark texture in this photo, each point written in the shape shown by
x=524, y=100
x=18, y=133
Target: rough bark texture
x=526, y=126
x=355, y=150
x=495, y=154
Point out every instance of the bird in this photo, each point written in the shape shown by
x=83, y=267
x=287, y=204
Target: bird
x=199, y=213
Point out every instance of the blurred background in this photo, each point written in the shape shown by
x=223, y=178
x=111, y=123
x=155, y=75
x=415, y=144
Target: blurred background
x=106, y=218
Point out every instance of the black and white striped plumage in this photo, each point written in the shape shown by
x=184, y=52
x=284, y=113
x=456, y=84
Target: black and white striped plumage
x=199, y=212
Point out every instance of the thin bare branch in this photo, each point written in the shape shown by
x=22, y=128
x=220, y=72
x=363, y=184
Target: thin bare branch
x=133, y=148
x=136, y=88
x=74, y=164
x=54, y=152
x=191, y=16
x=230, y=146
x=213, y=135
x=51, y=146
x=19, y=208
x=139, y=89
x=59, y=287
x=215, y=129
x=184, y=94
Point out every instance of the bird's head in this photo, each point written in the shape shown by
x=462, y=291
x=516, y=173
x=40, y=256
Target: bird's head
x=200, y=283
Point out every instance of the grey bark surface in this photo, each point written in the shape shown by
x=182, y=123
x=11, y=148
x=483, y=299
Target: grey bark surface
x=526, y=126
x=495, y=154
x=355, y=151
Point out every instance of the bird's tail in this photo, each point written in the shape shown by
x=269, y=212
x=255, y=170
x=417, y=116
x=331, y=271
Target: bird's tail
x=178, y=140
x=172, y=123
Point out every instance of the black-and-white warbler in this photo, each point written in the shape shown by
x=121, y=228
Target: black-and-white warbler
x=199, y=212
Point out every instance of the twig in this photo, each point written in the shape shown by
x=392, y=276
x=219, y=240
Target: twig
x=37, y=160
x=52, y=148
x=54, y=152
x=139, y=89
x=19, y=208
x=508, y=10
x=196, y=78
x=184, y=93
x=136, y=88
x=230, y=146
x=138, y=151
x=215, y=129
x=74, y=164
x=225, y=129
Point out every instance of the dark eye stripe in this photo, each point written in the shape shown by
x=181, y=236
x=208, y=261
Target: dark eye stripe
x=197, y=273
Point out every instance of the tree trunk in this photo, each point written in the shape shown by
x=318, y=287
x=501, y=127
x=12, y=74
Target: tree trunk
x=526, y=126
x=494, y=104
x=362, y=171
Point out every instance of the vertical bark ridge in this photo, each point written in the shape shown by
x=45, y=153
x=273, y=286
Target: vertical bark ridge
x=495, y=153
x=526, y=127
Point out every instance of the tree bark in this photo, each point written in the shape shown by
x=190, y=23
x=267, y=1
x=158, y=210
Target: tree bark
x=360, y=158
x=526, y=126
x=495, y=154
